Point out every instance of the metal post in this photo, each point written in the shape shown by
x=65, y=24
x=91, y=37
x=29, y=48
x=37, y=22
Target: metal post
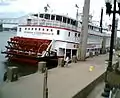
x=77, y=15
x=71, y=53
x=84, y=31
x=41, y=66
x=38, y=17
x=108, y=87
x=115, y=34
x=1, y=26
x=101, y=19
x=45, y=88
x=112, y=39
x=104, y=39
x=65, y=54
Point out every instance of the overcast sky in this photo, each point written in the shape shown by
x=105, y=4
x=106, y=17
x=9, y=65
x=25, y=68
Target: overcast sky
x=58, y=6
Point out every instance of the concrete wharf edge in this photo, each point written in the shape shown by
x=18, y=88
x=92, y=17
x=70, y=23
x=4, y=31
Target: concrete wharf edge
x=57, y=88
x=86, y=91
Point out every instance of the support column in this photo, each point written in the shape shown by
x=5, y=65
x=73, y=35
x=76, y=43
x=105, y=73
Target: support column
x=1, y=27
x=115, y=34
x=84, y=31
x=71, y=53
x=65, y=54
x=104, y=38
x=103, y=44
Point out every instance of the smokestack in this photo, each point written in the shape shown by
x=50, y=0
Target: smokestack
x=101, y=19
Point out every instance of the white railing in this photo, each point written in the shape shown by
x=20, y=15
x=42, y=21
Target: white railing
x=52, y=23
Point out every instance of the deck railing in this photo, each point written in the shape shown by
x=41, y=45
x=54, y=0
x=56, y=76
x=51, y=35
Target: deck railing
x=51, y=23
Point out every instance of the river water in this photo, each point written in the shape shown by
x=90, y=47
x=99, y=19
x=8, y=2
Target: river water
x=4, y=36
x=23, y=69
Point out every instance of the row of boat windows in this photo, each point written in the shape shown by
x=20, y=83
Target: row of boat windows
x=69, y=33
x=58, y=31
x=64, y=20
x=36, y=29
x=93, y=28
x=58, y=18
x=90, y=27
x=75, y=34
x=96, y=28
x=96, y=49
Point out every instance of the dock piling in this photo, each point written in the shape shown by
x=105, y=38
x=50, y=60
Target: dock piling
x=12, y=74
x=74, y=59
x=41, y=66
x=60, y=62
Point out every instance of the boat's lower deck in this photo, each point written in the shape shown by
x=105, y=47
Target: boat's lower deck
x=31, y=50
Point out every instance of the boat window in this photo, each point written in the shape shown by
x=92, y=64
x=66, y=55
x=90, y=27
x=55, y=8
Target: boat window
x=87, y=50
x=59, y=18
x=43, y=29
x=32, y=28
x=71, y=22
x=41, y=15
x=75, y=34
x=28, y=28
x=25, y=28
x=39, y=28
x=68, y=21
x=92, y=49
x=35, y=28
x=47, y=16
x=36, y=15
x=51, y=30
x=52, y=17
x=28, y=21
x=79, y=35
x=92, y=27
x=19, y=29
x=68, y=33
x=74, y=22
x=47, y=29
x=64, y=19
x=58, y=32
x=88, y=26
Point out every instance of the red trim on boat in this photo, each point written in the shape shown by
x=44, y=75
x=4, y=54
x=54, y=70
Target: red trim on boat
x=58, y=28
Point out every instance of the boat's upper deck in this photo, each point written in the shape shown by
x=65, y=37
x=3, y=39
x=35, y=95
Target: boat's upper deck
x=53, y=20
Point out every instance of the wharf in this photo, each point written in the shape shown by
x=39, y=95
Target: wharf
x=65, y=82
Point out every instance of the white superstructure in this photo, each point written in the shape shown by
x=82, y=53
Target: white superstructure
x=63, y=31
